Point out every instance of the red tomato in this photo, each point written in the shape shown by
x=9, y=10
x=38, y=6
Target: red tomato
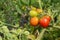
x=44, y=22
x=34, y=21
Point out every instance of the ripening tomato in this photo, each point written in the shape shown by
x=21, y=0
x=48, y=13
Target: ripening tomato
x=44, y=22
x=33, y=13
x=34, y=21
x=39, y=10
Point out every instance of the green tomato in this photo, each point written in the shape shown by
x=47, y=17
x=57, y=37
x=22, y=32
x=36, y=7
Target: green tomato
x=33, y=13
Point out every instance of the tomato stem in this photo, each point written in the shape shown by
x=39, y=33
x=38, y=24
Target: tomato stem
x=57, y=27
x=40, y=4
x=6, y=24
x=41, y=35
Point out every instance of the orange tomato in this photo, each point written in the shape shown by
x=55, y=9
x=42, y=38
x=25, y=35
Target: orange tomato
x=34, y=21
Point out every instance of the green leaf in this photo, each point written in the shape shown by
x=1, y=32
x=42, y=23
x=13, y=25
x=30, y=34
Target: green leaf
x=26, y=2
x=23, y=37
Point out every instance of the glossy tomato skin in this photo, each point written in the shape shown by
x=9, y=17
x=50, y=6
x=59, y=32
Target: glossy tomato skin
x=44, y=22
x=34, y=21
x=47, y=17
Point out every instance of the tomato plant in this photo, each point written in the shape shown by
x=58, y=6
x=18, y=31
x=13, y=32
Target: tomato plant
x=18, y=16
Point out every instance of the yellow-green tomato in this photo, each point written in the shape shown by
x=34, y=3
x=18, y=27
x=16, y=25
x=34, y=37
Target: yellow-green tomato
x=33, y=13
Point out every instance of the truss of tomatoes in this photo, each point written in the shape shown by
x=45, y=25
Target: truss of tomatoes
x=43, y=22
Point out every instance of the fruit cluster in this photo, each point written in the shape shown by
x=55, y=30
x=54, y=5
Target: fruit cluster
x=34, y=20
